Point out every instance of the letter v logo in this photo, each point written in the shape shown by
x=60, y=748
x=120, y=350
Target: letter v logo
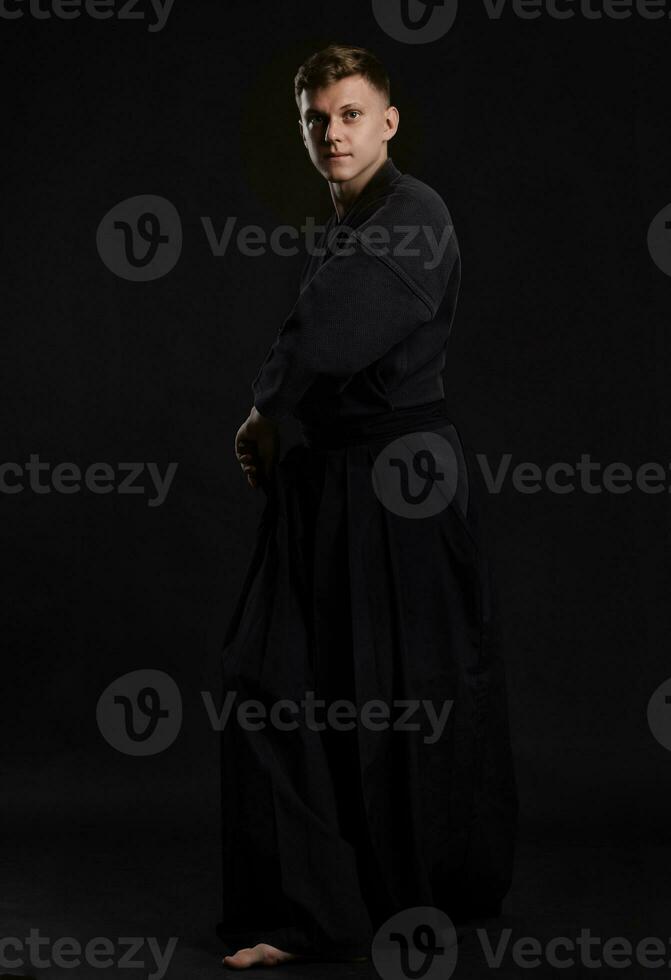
x=415, y=21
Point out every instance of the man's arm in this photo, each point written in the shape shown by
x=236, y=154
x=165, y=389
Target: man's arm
x=353, y=310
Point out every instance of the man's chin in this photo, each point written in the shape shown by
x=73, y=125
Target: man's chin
x=337, y=171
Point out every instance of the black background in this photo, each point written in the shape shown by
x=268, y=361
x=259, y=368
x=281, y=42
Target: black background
x=549, y=142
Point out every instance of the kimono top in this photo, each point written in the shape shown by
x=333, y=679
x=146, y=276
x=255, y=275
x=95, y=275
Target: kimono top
x=369, y=330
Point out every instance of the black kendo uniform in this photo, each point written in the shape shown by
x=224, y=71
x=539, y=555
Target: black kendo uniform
x=327, y=834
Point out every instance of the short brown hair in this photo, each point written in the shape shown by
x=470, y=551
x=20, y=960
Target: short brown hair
x=339, y=61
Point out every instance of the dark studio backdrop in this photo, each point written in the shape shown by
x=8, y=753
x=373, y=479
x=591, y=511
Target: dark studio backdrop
x=548, y=140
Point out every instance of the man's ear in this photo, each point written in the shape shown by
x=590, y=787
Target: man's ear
x=391, y=121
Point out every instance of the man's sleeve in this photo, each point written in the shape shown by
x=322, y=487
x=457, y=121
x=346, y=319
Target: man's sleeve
x=358, y=305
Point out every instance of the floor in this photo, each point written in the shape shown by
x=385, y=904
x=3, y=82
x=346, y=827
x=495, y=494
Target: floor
x=138, y=883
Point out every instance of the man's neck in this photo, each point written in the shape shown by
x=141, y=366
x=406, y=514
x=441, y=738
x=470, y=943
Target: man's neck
x=345, y=192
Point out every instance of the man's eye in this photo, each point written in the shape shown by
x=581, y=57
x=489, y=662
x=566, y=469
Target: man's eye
x=353, y=112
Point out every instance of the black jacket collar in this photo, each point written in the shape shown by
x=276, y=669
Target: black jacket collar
x=376, y=187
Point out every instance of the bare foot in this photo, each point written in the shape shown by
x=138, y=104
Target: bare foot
x=260, y=955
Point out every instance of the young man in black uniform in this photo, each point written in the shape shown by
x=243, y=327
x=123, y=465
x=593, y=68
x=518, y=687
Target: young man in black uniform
x=330, y=835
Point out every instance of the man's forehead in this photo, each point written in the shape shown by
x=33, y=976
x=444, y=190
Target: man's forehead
x=337, y=95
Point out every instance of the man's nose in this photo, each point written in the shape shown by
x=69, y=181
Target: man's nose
x=332, y=131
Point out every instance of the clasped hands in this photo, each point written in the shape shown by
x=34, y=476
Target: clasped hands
x=257, y=446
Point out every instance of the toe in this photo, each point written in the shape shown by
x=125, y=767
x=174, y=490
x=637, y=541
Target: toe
x=240, y=960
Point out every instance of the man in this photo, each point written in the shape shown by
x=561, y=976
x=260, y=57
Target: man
x=346, y=125
x=326, y=836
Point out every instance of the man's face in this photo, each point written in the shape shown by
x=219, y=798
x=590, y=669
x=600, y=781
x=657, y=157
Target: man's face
x=346, y=127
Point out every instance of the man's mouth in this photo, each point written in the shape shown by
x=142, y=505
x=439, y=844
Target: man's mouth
x=337, y=156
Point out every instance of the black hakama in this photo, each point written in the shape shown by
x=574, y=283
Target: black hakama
x=328, y=833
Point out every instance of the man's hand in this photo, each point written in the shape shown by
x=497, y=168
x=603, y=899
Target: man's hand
x=257, y=446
